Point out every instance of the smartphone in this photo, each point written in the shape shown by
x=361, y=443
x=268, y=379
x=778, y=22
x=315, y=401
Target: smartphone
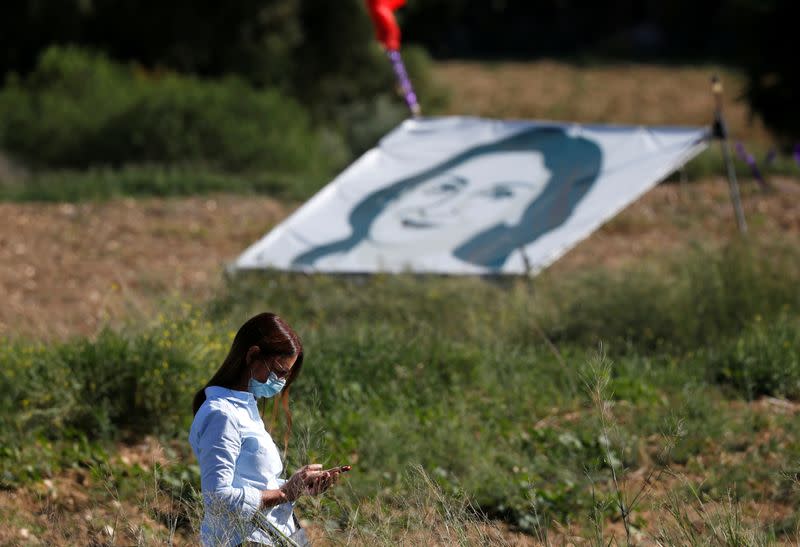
x=341, y=468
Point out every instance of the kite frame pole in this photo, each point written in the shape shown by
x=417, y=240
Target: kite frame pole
x=720, y=131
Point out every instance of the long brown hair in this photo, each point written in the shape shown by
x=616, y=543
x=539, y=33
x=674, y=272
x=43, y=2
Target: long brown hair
x=274, y=338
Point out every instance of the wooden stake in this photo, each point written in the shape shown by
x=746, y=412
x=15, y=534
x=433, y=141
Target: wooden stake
x=721, y=132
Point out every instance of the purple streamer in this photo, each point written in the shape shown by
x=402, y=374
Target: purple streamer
x=797, y=153
x=404, y=81
x=751, y=161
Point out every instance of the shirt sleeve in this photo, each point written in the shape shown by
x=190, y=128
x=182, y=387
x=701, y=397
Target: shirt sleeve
x=219, y=444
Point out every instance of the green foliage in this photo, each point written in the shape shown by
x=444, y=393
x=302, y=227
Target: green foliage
x=517, y=28
x=363, y=120
x=322, y=53
x=486, y=406
x=50, y=116
x=79, y=109
x=102, y=387
x=763, y=360
x=93, y=129
x=761, y=28
x=102, y=184
x=682, y=305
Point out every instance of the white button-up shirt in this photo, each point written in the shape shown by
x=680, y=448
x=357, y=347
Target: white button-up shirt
x=238, y=459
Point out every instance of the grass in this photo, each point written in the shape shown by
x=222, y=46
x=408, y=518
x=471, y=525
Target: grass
x=140, y=181
x=488, y=408
x=97, y=184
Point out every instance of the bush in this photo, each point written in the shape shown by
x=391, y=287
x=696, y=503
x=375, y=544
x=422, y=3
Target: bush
x=692, y=301
x=764, y=360
x=79, y=109
x=48, y=118
x=151, y=180
x=364, y=120
x=363, y=117
x=485, y=406
x=773, y=80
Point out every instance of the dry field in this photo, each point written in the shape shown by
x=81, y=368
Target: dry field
x=619, y=93
x=69, y=269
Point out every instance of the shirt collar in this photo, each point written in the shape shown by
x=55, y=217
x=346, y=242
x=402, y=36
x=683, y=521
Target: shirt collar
x=218, y=392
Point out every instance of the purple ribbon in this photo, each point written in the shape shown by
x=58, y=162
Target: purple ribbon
x=797, y=153
x=404, y=81
x=751, y=161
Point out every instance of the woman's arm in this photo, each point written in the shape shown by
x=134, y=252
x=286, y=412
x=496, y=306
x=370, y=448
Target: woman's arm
x=271, y=498
x=218, y=447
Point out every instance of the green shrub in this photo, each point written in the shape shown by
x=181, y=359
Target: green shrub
x=106, y=183
x=78, y=109
x=99, y=389
x=48, y=118
x=452, y=375
x=678, y=303
x=227, y=123
x=692, y=301
x=763, y=360
x=366, y=117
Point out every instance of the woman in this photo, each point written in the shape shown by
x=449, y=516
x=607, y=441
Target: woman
x=244, y=498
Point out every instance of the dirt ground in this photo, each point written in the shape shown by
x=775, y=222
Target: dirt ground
x=623, y=93
x=69, y=269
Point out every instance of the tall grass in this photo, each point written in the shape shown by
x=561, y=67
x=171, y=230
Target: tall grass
x=677, y=303
x=477, y=382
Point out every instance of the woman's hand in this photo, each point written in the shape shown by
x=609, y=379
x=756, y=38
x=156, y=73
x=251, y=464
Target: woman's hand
x=299, y=483
x=310, y=480
x=323, y=481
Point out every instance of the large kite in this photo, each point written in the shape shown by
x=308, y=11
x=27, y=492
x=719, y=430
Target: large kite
x=460, y=195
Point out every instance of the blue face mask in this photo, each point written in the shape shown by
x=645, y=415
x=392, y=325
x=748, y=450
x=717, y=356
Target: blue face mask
x=267, y=389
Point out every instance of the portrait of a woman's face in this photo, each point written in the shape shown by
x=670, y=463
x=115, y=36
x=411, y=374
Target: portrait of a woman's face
x=453, y=205
x=476, y=207
x=473, y=196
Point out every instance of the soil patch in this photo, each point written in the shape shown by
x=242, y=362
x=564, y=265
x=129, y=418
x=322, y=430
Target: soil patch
x=69, y=269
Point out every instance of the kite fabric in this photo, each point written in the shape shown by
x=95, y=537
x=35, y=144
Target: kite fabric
x=461, y=195
x=387, y=31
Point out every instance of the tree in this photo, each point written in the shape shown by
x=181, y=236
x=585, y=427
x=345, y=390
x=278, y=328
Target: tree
x=767, y=46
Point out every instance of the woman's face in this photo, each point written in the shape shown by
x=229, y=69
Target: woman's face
x=280, y=365
x=462, y=201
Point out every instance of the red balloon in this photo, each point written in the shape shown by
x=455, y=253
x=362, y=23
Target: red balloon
x=386, y=29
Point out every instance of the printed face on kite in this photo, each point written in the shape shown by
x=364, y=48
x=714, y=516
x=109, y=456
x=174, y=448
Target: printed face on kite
x=452, y=205
x=478, y=207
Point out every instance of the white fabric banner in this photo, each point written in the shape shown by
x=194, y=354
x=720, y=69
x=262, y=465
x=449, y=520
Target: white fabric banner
x=473, y=196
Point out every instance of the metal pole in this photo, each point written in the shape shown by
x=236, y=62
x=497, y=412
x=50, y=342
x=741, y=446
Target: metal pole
x=721, y=132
